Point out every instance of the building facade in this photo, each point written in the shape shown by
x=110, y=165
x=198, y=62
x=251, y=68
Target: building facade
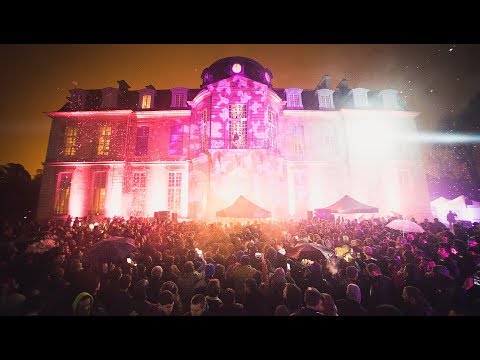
x=118, y=152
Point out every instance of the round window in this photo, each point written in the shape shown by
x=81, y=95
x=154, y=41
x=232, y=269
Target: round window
x=236, y=68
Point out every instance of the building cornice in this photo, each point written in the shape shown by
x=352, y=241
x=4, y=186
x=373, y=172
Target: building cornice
x=360, y=111
x=162, y=113
x=88, y=113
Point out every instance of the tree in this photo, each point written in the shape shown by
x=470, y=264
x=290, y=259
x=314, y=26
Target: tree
x=457, y=164
x=18, y=191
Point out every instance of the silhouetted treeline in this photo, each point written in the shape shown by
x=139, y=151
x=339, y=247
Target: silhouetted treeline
x=18, y=192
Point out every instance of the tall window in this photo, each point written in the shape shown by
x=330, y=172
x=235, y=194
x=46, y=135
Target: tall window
x=271, y=129
x=174, y=191
x=238, y=126
x=105, y=134
x=176, y=140
x=299, y=179
x=99, y=190
x=403, y=178
x=238, y=134
x=146, y=101
x=293, y=100
x=70, y=140
x=298, y=140
x=62, y=195
x=179, y=100
x=138, y=193
x=237, y=111
x=204, y=126
x=141, y=146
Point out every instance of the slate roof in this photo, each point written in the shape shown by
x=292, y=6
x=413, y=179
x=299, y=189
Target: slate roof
x=219, y=70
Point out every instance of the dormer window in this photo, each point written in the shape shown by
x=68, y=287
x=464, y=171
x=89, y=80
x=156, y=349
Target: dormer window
x=147, y=98
x=360, y=98
x=109, y=98
x=294, y=98
x=146, y=101
x=179, y=98
x=325, y=99
x=389, y=99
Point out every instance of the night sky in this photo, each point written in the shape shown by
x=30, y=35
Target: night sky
x=434, y=79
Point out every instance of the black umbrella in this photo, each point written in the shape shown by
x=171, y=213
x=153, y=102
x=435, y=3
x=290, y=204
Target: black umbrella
x=112, y=249
x=309, y=251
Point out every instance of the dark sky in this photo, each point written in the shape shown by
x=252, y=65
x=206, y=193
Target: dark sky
x=435, y=79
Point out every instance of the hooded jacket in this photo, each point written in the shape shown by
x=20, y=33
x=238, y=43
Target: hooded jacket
x=79, y=297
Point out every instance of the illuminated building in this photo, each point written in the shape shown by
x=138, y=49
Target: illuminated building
x=119, y=152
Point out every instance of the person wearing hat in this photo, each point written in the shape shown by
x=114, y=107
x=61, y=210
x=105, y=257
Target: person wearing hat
x=201, y=285
x=82, y=305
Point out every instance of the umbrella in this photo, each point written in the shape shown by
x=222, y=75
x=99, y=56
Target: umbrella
x=111, y=249
x=309, y=251
x=405, y=226
x=41, y=246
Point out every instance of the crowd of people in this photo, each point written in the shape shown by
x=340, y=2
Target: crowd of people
x=200, y=269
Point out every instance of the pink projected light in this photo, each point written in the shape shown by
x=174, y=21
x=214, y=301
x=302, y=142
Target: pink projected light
x=76, y=204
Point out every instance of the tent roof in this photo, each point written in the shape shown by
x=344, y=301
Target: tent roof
x=348, y=205
x=441, y=199
x=244, y=208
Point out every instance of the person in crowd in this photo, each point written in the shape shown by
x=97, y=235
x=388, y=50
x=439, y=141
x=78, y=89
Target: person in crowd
x=241, y=274
x=212, y=296
x=198, y=306
x=282, y=310
x=141, y=305
x=350, y=305
x=451, y=219
x=327, y=305
x=155, y=283
x=177, y=305
x=166, y=302
x=414, y=302
x=313, y=304
x=82, y=304
x=229, y=307
x=254, y=302
x=293, y=298
x=186, y=283
x=381, y=287
x=122, y=302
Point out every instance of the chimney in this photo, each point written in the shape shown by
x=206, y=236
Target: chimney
x=122, y=85
x=342, y=85
x=325, y=82
x=150, y=87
